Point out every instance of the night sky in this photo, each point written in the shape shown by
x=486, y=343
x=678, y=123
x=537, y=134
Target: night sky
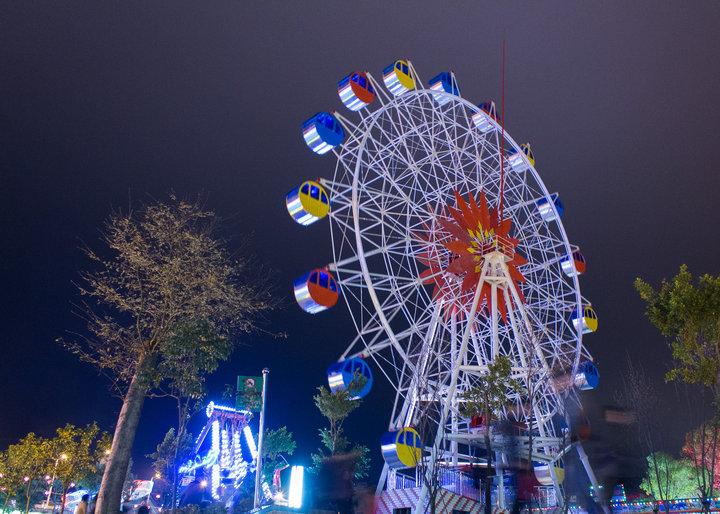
x=103, y=104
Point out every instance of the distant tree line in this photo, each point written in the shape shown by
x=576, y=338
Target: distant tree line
x=35, y=466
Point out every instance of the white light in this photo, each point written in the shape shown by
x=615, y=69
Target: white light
x=237, y=456
x=267, y=494
x=296, y=486
x=216, y=450
x=215, y=481
x=216, y=437
x=225, y=456
x=250, y=441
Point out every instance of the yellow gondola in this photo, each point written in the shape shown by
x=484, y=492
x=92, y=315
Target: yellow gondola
x=398, y=78
x=542, y=472
x=401, y=448
x=588, y=322
x=307, y=203
x=516, y=161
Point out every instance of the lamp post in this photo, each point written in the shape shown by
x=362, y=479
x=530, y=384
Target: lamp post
x=52, y=480
x=258, y=465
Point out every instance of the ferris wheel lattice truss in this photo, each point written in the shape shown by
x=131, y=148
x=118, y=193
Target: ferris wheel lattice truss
x=438, y=282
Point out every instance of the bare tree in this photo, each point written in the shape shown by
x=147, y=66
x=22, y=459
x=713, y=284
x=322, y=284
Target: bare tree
x=639, y=395
x=164, y=269
x=702, y=445
x=427, y=407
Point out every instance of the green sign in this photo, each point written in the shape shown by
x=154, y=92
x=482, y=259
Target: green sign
x=249, y=393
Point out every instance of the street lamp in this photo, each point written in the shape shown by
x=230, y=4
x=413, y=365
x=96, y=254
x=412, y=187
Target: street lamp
x=62, y=456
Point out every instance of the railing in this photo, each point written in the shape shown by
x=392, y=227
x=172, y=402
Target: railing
x=398, y=481
x=684, y=505
x=504, y=246
x=448, y=479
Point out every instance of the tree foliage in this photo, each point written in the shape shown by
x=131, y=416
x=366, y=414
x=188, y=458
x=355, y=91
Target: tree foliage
x=162, y=303
x=702, y=447
x=11, y=476
x=77, y=452
x=168, y=451
x=72, y=456
x=27, y=463
x=167, y=272
x=488, y=398
x=493, y=390
x=336, y=407
x=688, y=314
x=677, y=478
x=277, y=442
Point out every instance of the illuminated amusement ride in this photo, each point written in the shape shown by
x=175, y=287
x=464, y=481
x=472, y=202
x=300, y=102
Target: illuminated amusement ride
x=449, y=252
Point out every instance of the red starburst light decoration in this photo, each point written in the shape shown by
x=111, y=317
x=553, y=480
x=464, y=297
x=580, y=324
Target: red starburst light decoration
x=470, y=233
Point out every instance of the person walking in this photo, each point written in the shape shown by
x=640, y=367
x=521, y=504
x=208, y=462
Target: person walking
x=83, y=505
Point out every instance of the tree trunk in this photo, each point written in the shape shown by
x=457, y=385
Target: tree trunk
x=64, y=490
x=488, y=476
x=175, y=474
x=182, y=427
x=27, y=493
x=109, y=496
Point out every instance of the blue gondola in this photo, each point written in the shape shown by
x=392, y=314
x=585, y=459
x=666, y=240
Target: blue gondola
x=401, y=448
x=341, y=374
x=574, y=265
x=587, y=376
x=356, y=91
x=444, y=83
x=323, y=132
x=316, y=291
x=546, y=209
x=482, y=118
x=588, y=322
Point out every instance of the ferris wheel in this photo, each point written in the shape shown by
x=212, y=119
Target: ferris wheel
x=449, y=252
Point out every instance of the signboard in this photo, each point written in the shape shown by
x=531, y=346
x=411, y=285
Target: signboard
x=249, y=393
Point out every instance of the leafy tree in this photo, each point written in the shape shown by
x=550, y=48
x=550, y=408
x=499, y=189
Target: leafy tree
x=30, y=459
x=702, y=446
x=487, y=399
x=166, y=272
x=164, y=455
x=677, y=476
x=194, y=350
x=81, y=450
x=275, y=444
x=168, y=454
x=336, y=407
x=690, y=316
x=11, y=477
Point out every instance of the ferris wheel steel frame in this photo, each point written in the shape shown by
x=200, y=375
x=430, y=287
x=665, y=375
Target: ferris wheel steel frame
x=401, y=165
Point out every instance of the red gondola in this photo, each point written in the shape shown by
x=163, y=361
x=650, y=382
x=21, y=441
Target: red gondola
x=316, y=291
x=356, y=91
x=575, y=265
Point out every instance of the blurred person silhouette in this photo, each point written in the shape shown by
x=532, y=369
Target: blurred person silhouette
x=82, y=507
